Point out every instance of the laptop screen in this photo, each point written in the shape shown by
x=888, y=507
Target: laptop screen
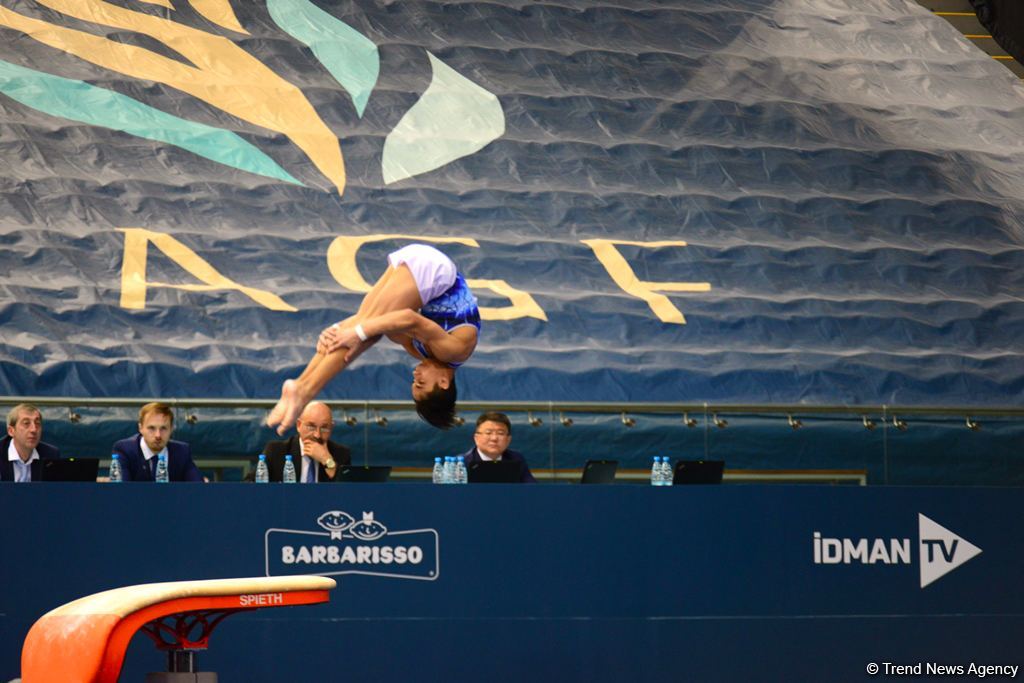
x=698, y=472
x=599, y=471
x=365, y=473
x=500, y=472
x=70, y=469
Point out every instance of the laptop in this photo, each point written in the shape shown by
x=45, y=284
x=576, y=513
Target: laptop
x=698, y=472
x=365, y=473
x=500, y=472
x=69, y=469
x=599, y=472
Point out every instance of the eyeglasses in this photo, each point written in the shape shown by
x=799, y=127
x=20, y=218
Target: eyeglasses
x=488, y=434
x=311, y=428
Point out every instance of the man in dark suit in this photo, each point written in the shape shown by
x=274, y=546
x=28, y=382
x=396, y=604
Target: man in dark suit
x=22, y=450
x=492, y=437
x=140, y=453
x=316, y=457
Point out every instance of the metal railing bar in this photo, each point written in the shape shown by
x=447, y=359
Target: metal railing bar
x=549, y=407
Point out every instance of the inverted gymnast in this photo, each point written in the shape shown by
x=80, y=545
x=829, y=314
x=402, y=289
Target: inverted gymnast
x=423, y=304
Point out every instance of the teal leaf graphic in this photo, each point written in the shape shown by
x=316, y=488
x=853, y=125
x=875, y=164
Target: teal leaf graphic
x=350, y=57
x=80, y=101
x=453, y=118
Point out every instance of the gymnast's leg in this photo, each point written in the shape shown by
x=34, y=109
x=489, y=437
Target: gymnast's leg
x=394, y=290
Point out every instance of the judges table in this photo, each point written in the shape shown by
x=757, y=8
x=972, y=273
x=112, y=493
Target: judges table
x=545, y=583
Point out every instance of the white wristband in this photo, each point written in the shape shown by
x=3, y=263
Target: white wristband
x=360, y=333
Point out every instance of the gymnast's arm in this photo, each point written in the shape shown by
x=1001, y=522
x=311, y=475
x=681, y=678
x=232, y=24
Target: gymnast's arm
x=447, y=348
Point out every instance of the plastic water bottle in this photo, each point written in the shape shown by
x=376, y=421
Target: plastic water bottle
x=289, y=470
x=115, y=469
x=666, y=471
x=656, y=472
x=461, y=477
x=262, y=474
x=438, y=475
x=161, y=469
x=449, y=470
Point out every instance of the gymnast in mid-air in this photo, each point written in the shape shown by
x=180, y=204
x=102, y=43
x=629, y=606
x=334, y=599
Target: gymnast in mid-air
x=422, y=303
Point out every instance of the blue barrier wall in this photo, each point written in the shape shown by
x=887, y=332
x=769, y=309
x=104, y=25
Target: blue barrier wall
x=541, y=583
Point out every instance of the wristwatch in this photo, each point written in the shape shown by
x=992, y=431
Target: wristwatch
x=330, y=464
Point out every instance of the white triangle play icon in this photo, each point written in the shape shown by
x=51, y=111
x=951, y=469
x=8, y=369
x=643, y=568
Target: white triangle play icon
x=940, y=550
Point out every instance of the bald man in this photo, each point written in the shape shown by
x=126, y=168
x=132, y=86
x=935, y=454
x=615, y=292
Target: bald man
x=316, y=457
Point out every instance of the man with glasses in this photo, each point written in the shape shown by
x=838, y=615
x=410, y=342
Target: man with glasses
x=493, y=436
x=315, y=456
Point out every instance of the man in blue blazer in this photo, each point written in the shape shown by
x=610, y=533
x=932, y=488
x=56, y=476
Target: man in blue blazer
x=22, y=450
x=139, y=453
x=492, y=437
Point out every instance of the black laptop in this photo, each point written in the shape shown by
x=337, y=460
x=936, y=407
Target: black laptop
x=599, y=472
x=698, y=472
x=495, y=472
x=365, y=473
x=69, y=469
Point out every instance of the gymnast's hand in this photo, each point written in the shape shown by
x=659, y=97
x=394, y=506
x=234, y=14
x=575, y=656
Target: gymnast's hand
x=336, y=337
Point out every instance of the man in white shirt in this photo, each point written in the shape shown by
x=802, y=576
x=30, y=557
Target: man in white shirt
x=22, y=449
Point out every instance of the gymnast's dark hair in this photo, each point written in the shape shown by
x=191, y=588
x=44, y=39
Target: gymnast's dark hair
x=438, y=407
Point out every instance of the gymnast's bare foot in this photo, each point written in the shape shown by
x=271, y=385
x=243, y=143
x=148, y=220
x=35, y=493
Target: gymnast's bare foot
x=289, y=407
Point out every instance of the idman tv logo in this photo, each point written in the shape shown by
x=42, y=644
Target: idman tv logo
x=940, y=551
x=346, y=546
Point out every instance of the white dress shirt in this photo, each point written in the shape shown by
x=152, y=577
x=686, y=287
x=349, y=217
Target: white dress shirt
x=148, y=454
x=487, y=458
x=22, y=469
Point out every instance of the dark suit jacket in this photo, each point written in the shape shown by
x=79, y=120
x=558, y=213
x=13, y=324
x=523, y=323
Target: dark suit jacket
x=45, y=450
x=133, y=463
x=473, y=455
x=276, y=450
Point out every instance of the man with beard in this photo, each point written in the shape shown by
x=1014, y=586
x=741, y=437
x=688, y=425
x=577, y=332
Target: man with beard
x=140, y=453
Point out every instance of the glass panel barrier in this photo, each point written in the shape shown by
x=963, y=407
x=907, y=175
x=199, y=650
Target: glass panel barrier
x=885, y=445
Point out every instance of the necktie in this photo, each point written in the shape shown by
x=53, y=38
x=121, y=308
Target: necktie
x=311, y=472
x=150, y=473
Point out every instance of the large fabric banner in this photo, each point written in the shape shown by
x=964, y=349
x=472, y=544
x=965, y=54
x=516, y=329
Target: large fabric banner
x=750, y=200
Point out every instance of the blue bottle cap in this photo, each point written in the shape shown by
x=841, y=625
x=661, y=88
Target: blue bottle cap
x=262, y=457
x=437, y=459
x=288, y=457
x=114, y=456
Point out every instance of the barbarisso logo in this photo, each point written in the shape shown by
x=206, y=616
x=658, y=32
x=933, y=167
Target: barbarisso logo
x=347, y=546
x=940, y=551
